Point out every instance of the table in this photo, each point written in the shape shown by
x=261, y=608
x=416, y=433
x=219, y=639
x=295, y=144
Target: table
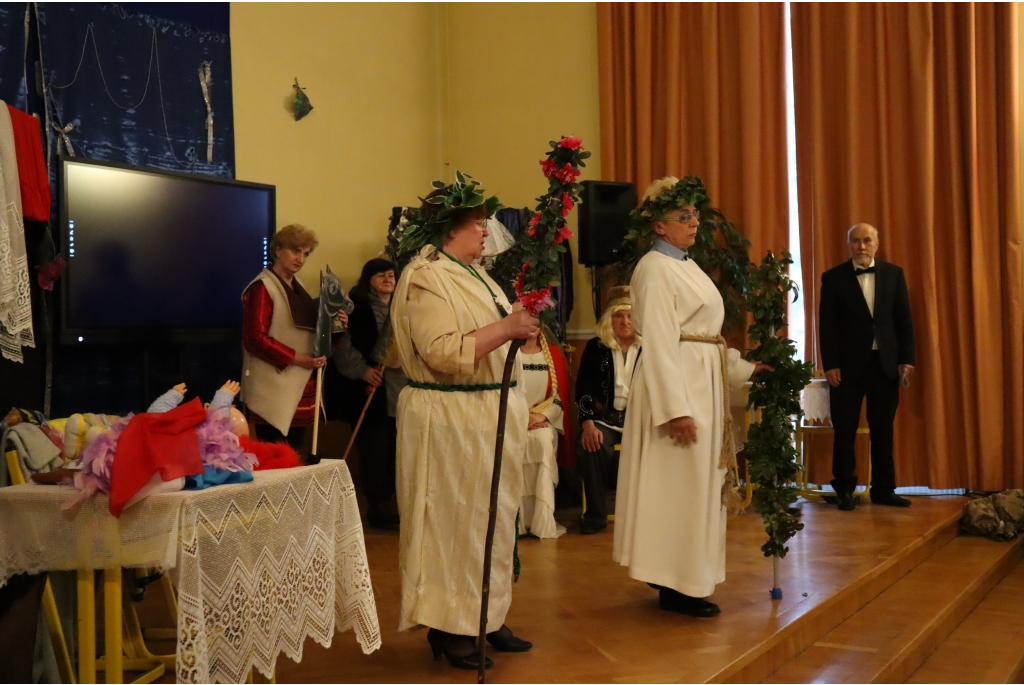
x=258, y=566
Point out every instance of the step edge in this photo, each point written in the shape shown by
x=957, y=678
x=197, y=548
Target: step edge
x=947, y=527
x=896, y=666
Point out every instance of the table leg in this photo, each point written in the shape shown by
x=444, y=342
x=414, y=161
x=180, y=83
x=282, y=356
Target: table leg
x=87, y=626
x=112, y=624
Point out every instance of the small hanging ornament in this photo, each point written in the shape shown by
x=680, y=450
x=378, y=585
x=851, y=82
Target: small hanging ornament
x=302, y=104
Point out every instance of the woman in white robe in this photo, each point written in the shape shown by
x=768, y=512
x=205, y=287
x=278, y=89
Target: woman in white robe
x=452, y=331
x=547, y=430
x=670, y=520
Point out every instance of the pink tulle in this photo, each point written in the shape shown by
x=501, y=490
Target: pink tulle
x=218, y=446
x=97, y=461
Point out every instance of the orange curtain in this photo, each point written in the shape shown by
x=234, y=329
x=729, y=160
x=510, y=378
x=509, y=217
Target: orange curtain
x=906, y=118
x=699, y=88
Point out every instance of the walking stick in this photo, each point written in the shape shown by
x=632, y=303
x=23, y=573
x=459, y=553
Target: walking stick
x=316, y=410
x=492, y=513
x=359, y=423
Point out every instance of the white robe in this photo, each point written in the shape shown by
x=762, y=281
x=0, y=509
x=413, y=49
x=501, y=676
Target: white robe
x=540, y=465
x=446, y=449
x=669, y=518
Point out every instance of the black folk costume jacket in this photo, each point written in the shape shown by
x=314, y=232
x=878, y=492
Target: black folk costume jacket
x=595, y=385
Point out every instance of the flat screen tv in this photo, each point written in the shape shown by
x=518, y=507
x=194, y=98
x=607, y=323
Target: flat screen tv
x=156, y=256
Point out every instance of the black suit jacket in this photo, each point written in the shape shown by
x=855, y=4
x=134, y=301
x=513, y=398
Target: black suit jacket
x=847, y=330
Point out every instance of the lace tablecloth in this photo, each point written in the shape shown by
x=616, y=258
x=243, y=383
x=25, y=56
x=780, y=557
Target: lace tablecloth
x=259, y=567
x=814, y=400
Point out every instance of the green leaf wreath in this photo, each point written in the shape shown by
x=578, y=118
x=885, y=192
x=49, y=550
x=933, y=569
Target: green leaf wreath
x=770, y=450
x=720, y=250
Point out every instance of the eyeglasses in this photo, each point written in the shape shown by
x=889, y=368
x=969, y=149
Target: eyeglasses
x=684, y=218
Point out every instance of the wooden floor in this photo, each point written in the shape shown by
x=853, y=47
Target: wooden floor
x=591, y=623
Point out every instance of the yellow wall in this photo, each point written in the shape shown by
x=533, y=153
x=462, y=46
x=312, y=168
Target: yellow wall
x=404, y=94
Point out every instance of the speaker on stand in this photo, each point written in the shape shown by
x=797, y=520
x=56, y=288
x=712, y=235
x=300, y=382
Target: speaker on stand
x=604, y=212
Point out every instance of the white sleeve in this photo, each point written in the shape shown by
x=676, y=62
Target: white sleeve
x=740, y=371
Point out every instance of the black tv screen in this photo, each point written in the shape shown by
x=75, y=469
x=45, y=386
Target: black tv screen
x=157, y=256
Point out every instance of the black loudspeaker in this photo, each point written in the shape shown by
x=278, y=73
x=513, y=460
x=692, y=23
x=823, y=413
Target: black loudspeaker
x=604, y=210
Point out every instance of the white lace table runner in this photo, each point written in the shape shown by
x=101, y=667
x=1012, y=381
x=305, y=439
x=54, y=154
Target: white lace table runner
x=259, y=566
x=814, y=400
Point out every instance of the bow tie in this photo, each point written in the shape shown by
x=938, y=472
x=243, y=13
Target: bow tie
x=869, y=270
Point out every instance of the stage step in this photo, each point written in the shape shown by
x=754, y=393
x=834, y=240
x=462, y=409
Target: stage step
x=891, y=636
x=988, y=647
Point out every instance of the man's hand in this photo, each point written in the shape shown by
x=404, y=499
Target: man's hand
x=374, y=377
x=592, y=438
x=537, y=421
x=907, y=370
x=683, y=430
x=834, y=377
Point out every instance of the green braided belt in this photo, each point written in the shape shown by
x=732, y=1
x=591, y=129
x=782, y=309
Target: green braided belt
x=458, y=388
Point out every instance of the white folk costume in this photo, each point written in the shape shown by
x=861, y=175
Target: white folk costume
x=540, y=466
x=669, y=516
x=447, y=424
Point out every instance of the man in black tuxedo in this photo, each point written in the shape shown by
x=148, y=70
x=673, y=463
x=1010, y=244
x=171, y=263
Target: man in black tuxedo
x=867, y=349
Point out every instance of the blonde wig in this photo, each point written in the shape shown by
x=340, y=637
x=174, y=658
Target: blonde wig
x=603, y=329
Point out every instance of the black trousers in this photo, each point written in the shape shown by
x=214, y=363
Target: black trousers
x=598, y=470
x=883, y=396
x=267, y=433
x=377, y=444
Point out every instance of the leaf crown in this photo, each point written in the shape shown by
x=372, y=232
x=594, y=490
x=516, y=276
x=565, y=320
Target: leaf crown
x=429, y=227
x=688, y=191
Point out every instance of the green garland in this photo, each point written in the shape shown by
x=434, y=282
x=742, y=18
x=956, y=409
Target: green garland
x=720, y=250
x=770, y=451
x=463, y=194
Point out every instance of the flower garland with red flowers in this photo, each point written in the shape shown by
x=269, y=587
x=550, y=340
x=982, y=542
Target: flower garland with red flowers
x=549, y=226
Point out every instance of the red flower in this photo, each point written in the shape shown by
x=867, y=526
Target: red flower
x=536, y=301
x=532, y=231
x=572, y=143
x=563, y=234
x=567, y=204
x=567, y=174
x=549, y=167
x=521, y=278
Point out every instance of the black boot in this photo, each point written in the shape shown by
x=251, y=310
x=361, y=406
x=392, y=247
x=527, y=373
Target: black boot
x=460, y=650
x=503, y=640
x=845, y=501
x=670, y=600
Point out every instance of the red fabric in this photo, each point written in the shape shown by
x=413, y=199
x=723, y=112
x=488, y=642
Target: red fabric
x=32, y=174
x=155, y=442
x=257, y=310
x=566, y=453
x=270, y=455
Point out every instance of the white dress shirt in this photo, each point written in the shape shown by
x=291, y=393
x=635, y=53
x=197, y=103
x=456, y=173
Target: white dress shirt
x=624, y=364
x=867, y=286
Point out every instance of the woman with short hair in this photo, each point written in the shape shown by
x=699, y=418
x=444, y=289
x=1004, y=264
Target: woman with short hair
x=453, y=327
x=278, y=326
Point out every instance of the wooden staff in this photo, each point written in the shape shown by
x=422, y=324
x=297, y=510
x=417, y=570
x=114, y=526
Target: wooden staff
x=492, y=513
x=316, y=410
x=351, y=441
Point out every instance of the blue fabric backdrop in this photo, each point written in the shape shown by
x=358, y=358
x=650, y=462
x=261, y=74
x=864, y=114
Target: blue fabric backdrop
x=129, y=103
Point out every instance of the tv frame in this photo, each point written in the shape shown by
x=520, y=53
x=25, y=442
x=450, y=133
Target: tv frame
x=71, y=335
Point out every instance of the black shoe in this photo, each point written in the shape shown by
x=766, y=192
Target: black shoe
x=382, y=517
x=503, y=640
x=890, y=500
x=591, y=528
x=845, y=501
x=670, y=600
x=460, y=650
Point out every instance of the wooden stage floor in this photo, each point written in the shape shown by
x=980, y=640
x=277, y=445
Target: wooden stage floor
x=591, y=623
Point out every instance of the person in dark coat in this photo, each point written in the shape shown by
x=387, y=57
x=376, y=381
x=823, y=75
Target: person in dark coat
x=867, y=349
x=602, y=393
x=359, y=360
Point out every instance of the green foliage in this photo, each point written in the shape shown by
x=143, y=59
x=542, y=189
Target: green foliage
x=465, y=193
x=720, y=250
x=770, y=451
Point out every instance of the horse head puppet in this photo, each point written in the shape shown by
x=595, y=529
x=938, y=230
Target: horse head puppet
x=332, y=300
